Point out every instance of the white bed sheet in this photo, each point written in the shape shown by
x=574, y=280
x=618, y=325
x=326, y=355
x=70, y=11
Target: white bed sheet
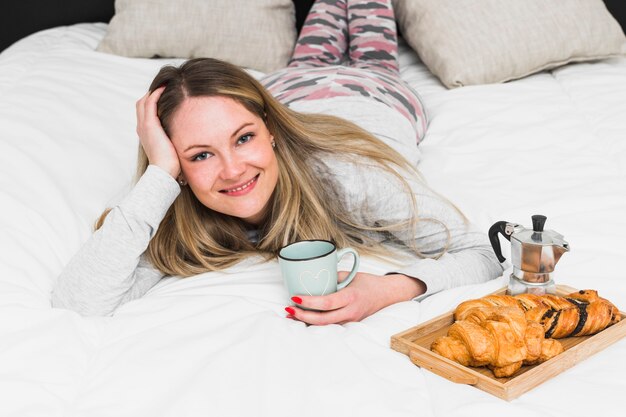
x=219, y=344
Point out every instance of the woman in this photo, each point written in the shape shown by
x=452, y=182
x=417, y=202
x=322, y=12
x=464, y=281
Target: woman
x=227, y=172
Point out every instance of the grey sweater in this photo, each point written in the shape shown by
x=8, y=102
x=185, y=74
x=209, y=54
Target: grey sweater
x=111, y=268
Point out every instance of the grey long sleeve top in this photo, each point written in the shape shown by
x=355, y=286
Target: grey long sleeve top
x=111, y=268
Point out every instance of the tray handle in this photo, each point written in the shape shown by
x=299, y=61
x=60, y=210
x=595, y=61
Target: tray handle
x=442, y=368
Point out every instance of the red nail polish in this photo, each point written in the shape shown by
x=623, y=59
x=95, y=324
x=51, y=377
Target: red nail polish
x=296, y=300
x=290, y=310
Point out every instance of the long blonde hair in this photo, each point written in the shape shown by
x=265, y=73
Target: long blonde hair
x=193, y=239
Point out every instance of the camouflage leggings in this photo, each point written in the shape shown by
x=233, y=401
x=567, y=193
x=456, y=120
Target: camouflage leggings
x=348, y=48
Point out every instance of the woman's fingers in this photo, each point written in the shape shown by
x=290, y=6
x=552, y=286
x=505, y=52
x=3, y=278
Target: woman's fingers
x=326, y=309
x=321, y=318
x=328, y=302
x=151, y=102
x=147, y=107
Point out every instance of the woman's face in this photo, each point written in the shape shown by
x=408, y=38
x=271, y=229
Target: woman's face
x=226, y=156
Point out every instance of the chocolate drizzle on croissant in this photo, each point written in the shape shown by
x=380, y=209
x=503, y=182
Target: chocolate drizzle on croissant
x=582, y=309
x=553, y=317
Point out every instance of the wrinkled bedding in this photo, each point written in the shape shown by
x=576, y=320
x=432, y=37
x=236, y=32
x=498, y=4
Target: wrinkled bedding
x=219, y=344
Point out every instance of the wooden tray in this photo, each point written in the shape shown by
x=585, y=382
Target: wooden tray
x=415, y=343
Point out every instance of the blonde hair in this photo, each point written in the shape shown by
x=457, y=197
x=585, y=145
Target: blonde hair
x=193, y=239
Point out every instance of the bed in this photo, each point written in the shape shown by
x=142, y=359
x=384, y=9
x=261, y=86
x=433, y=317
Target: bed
x=551, y=143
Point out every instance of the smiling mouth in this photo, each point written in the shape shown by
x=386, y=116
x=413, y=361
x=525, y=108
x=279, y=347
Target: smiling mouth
x=243, y=188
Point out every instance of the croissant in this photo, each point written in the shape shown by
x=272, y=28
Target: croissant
x=577, y=314
x=498, y=337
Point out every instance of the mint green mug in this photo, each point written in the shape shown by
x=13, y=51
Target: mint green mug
x=309, y=267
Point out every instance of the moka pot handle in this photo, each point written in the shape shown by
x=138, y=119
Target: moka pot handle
x=500, y=227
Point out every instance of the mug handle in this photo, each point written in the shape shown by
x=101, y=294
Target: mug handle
x=355, y=267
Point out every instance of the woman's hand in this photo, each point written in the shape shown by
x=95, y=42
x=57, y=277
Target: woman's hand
x=155, y=142
x=365, y=295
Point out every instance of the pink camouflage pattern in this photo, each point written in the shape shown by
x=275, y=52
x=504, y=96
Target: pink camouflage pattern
x=346, y=48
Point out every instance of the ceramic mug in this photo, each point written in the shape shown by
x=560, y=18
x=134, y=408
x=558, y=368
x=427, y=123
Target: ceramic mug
x=309, y=267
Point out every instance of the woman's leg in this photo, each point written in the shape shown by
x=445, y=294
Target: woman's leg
x=373, y=73
x=323, y=39
x=373, y=47
x=373, y=39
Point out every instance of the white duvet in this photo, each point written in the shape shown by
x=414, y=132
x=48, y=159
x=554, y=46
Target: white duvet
x=219, y=344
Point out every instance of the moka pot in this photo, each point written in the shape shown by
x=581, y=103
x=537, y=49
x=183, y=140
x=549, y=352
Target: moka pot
x=534, y=254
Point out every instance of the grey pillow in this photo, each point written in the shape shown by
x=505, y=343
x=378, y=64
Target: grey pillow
x=258, y=34
x=465, y=42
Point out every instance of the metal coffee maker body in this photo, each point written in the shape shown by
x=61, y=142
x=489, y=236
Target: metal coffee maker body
x=534, y=254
